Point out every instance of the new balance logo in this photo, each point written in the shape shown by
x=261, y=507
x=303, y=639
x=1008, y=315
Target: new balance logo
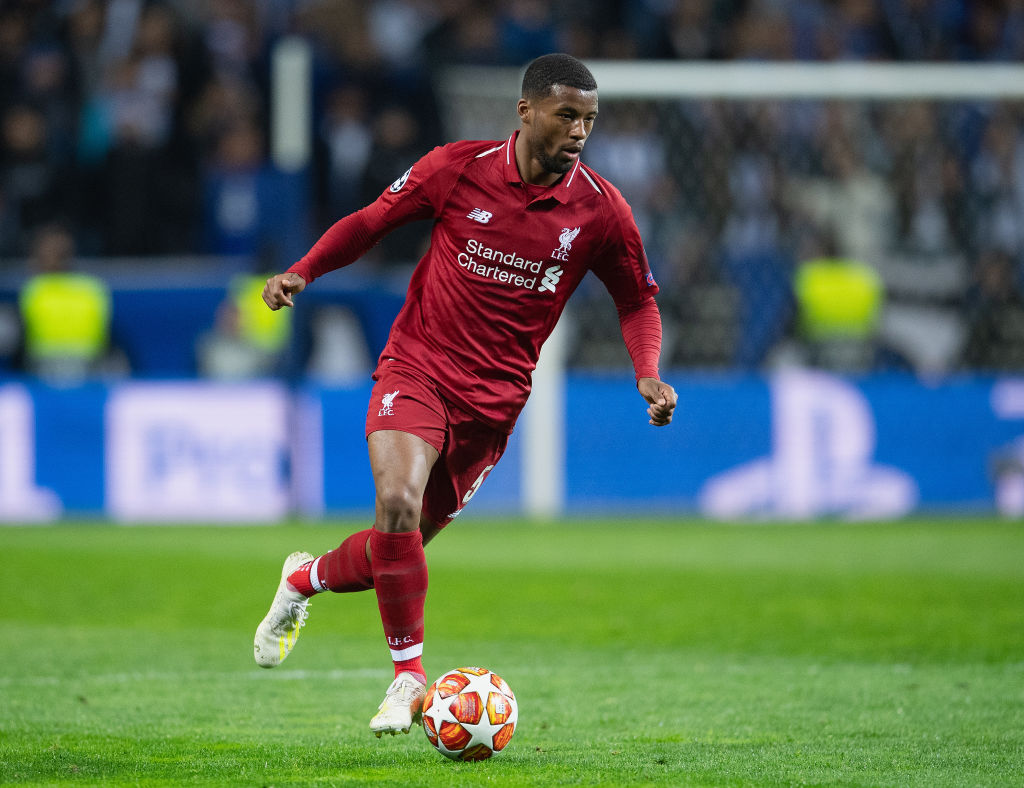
x=479, y=215
x=551, y=277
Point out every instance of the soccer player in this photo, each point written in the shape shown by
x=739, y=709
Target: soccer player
x=517, y=224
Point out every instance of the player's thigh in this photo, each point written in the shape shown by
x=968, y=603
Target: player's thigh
x=400, y=462
x=406, y=430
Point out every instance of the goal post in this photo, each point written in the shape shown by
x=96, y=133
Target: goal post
x=638, y=79
x=900, y=165
x=747, y=80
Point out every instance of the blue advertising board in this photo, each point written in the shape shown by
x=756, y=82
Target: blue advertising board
x=800, y=444
x=797, y=445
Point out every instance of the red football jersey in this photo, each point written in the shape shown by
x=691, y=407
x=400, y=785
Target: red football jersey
x=504, y=258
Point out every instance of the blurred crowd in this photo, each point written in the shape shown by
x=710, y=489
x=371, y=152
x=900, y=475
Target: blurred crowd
x=142, y=129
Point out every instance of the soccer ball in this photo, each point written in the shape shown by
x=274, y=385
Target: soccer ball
x=469, y=714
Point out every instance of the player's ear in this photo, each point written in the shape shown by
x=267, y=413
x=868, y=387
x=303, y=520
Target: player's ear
x=524, y=110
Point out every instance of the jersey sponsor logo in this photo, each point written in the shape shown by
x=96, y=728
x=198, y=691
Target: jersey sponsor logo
x=565, y=244
x=387, y=403
x=506, y=267
x=480, y=215
x=500, y=265
x=650, y=279
x=397, y=185
x=551, y=277
x=511, y=259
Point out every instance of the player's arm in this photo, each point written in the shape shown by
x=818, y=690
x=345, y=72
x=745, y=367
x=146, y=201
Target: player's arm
x=409, y=198
x=641, y=330
x=344, y=242
x=626, y=274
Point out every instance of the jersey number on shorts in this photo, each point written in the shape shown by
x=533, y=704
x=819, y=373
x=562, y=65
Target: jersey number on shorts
x=476, y=485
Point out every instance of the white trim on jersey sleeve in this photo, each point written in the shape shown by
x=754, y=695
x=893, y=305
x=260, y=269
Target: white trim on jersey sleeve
x=492, y=150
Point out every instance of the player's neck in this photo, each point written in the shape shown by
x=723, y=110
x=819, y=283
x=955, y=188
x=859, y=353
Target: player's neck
x=530, y=169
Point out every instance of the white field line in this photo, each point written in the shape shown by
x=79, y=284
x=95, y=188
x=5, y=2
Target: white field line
x=167, y=675
x=336, y=674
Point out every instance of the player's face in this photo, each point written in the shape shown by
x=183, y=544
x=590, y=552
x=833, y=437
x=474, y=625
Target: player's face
x=557, y=126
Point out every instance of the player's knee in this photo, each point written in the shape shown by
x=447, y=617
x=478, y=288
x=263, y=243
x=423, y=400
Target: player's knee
x=399, y=509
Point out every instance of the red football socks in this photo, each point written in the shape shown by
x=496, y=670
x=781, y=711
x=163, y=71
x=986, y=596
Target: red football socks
x=342, y=570
x=400, y=578
x=346, y=567
x=399, y=574
x=301, y=580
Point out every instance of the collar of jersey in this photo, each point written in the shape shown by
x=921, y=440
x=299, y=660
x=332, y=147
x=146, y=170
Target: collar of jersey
x=560, y=191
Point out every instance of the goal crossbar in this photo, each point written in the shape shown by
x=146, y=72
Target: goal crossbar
x=749, y=80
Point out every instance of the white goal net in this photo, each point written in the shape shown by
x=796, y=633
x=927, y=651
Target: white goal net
x=738, y=173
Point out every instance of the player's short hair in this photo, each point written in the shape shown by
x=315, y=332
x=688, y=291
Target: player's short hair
x=547, y=71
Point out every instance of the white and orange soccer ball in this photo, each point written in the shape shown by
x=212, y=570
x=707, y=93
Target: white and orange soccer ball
x=470, y=714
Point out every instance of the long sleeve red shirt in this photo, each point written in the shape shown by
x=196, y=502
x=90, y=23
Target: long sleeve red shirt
x=504, y=258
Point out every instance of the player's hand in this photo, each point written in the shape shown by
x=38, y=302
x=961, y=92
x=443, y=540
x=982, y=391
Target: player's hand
x=279, y=290
x=661, y=398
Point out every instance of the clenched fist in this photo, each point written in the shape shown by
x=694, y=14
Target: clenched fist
x=279, y=290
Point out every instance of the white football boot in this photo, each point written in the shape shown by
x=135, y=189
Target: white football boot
x=279, y=629
x=402, y=706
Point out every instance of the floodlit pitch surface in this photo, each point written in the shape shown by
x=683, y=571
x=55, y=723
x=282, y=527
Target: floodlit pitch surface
x=642, y=651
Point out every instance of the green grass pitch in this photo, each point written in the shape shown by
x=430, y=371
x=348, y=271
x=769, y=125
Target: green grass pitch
x=643, y=652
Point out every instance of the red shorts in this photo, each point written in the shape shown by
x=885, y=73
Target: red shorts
x=406, y=400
